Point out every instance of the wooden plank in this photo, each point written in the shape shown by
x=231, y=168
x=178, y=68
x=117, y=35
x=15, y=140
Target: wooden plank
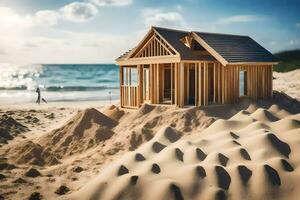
x=187, y=78
x=214, y=81
x=181, y=79
x=141, y=84
x=209, y=49
x=271, y=81
x=196, y=84
x=157, y=83
x=253, y=63
x=144, y=47
x=121, y=84
x=171, y=47
x=219, y=83
x=150, y=60
x=204, y=84
x=164, y=47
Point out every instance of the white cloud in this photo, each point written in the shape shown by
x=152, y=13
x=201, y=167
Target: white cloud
x=159, y=17
x=24, y=40
x=47, y=17
x=13, y=24
x=79, y=11
x=111, y=2
x=240, y=19
x=298, y=25
x=294, y=42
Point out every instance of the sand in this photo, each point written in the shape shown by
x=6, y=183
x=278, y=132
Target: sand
x=243, y=151
x=288, y=82
x=66, y=155
x=251, y=155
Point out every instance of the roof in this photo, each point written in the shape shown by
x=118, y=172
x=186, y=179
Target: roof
x=237, y=48
x=225, y=48
x=124, y=55
x=173, y=37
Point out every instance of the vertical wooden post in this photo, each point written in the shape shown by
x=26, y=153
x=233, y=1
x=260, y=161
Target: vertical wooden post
x=121, y=84
x=219, y=83
x=271, y=81
x=140, y=85
x=181, y=80
x=196, y=84
x=204, y=84
x=200, y=83
x=176, y=84
x=151, y=83
x=223, y=84
x=158, y=83
x=214, y=81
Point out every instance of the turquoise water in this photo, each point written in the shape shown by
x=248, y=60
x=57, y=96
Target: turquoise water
x=59, y=82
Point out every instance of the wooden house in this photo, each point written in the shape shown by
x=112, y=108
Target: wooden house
x=194, y=68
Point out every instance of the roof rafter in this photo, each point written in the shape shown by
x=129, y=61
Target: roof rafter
x=209, y=49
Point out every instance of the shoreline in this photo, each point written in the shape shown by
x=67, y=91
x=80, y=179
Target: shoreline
x=59, y=104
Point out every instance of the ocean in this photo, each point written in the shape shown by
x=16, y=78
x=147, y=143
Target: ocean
x=58, y=82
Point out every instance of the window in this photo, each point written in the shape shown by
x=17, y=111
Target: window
x=243, y=83
x=130, y=76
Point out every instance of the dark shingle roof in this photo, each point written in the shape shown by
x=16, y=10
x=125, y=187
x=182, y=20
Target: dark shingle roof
x=124, y=55
x=236, y=48
x=233, y=48
x=173, y=38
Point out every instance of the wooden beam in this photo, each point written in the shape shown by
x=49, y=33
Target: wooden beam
x=213, y=52
x=150, y=60
x=176, y=52
x=164, y=46
x=253, y=63
x=181, y=80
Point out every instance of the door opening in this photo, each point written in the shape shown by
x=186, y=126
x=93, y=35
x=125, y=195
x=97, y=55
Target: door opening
x=146, y=83
x=167, y=84
x=243, y=83
x=210, y=84
x=191, y=77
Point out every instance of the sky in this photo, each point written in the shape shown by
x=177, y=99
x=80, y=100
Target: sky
x=98, y=31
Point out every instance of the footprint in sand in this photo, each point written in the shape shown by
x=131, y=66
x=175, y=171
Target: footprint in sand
x=179, y=154
x=200, y=171
x=286, y=165
x=245, y=174
x=139, y=157
x=223, y=159
x=223, y=177
x=279, y=145
x=220, y=195
x=171, y=135
x=176, y=191
x=235, y=136
x=122, y=170
x=236, y=142
x=155, y=168
x=133, y=180
x=273, y=175
x=200, y=154
x=244, y=153
x=157, y=147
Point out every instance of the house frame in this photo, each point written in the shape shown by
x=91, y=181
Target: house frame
x=194, y=68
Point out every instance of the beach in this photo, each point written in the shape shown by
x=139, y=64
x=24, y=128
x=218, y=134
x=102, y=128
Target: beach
x=96, y=150
x=149, y=100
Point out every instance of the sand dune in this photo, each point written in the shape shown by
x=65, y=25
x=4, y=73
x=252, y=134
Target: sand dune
x=252, y=155
x=9, y=128
x=242, y=151
x=288, y=82
x=70, y=155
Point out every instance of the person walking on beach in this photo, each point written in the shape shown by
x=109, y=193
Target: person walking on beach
x=38, y=101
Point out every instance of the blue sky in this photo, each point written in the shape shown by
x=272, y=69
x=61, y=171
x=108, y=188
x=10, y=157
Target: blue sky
x=97, y=31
